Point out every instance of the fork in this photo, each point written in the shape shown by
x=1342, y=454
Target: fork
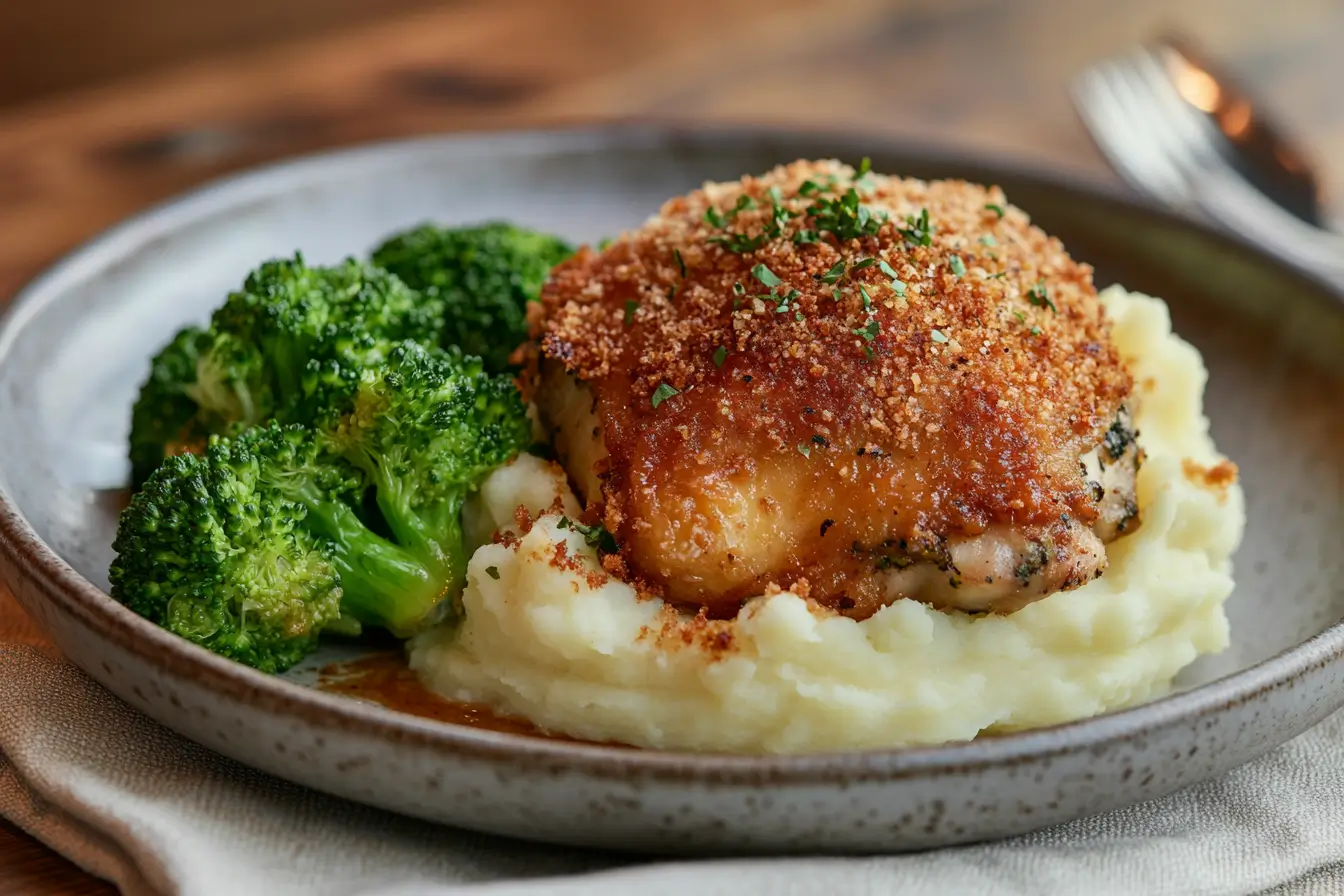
x=1164, y=145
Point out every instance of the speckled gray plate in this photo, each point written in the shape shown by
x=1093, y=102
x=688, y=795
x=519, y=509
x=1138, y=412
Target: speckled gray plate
x=75, y=346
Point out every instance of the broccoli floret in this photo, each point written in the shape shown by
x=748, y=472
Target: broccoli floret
x=485, y=275
x=272, y=352
x=165, y=420
x=425, y=429
x=255, y=547
x=212, y=550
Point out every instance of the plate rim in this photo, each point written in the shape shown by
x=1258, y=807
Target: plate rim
x=23, y=553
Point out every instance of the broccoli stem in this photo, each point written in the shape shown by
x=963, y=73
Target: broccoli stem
x=383, y=584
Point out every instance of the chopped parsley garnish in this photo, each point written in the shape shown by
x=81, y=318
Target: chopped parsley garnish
x=739, y=289
x=845, y=217
x=662, y=394
x=864, y=167
x=957, y=265
x=783, y=302
x=834, y=275
x=804, y=449
x=835, y=293
x=492, y=572
x=1035, y=331
x=898, y=286
x=1039, y=296
x=766, y=276
x=821, y=440
x=681, y=263
x=995, y=208
x=1021, y=318
x=630, y=307
x=988, y=240
x=888, y=270
x=869, y=331
x=938, y=335
x=806, y=236
x=810, y=188
x=918, y=231
x=740, y=243
x=596, y=536
x=713, y=218
x=999, y=276
x=867, y=299
x=720, y=355
x=864, y=263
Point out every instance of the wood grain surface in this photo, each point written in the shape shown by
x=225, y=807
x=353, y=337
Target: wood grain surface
x=979, y=73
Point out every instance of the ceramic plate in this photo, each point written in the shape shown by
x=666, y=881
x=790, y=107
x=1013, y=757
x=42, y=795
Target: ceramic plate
x=76, y=344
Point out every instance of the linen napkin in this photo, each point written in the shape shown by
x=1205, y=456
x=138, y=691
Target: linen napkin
x=131, y=802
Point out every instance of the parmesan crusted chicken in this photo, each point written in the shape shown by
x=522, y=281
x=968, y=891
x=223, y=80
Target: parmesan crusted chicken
x=858, y=387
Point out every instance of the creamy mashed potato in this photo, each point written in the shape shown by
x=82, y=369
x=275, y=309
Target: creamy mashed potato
x=547, y=635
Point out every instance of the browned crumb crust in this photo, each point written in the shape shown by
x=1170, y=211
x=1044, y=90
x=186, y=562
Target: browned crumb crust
x=984, y=355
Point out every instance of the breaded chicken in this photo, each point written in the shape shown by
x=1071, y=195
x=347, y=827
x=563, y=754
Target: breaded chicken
x=861, y=387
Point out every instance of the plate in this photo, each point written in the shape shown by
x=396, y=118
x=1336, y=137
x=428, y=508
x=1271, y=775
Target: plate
x=76, y=344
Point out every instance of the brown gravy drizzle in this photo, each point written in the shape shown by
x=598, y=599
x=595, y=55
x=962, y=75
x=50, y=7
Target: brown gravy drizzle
x=386, y=679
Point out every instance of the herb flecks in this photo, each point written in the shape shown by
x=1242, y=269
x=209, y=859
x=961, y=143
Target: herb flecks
x=767, y=277
x=720, y=355
x=834, y=275
x=957, y=266
x=918, y=231
x=631, y=306
x=1039, y=296
x=845, y=217
x=492, y=572
x=681, y=262
x=595, y=536
x=938, y=336
x=995, y=208
x=868, y=332
x=662, y=394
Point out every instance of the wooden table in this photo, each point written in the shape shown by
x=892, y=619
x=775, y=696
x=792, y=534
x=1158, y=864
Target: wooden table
x=971, y=72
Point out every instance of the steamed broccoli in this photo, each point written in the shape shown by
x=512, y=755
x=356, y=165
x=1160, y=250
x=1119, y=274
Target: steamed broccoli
x=243, y=549
x=165, y=420
x=485, y=275
x=212, y=550
x=270, y=352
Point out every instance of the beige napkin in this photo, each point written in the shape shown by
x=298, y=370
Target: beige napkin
x=134, y=803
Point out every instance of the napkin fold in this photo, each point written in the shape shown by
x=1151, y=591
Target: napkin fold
x=131, y=802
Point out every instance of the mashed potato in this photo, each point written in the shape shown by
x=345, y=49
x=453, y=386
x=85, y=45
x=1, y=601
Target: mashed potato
x=547, y=635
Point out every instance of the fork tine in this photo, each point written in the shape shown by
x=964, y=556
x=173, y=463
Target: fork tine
x=1109, y=109
x=1164, y=147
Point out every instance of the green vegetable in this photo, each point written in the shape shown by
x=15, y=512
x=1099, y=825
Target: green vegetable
x=483, y=275
x=252, y=549
x=1039, y=295
x=662, y=394
x=270, y=353
x=212, y=550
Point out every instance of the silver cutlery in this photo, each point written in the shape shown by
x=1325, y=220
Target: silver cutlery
x=1187, y=136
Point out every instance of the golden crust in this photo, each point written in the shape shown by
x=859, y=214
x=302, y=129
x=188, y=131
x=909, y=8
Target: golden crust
x=991, y=367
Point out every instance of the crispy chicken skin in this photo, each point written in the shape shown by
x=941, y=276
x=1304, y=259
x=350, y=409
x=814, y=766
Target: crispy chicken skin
x=907, y=391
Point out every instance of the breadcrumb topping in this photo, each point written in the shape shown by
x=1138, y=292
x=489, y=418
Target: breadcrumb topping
x=819, y=310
